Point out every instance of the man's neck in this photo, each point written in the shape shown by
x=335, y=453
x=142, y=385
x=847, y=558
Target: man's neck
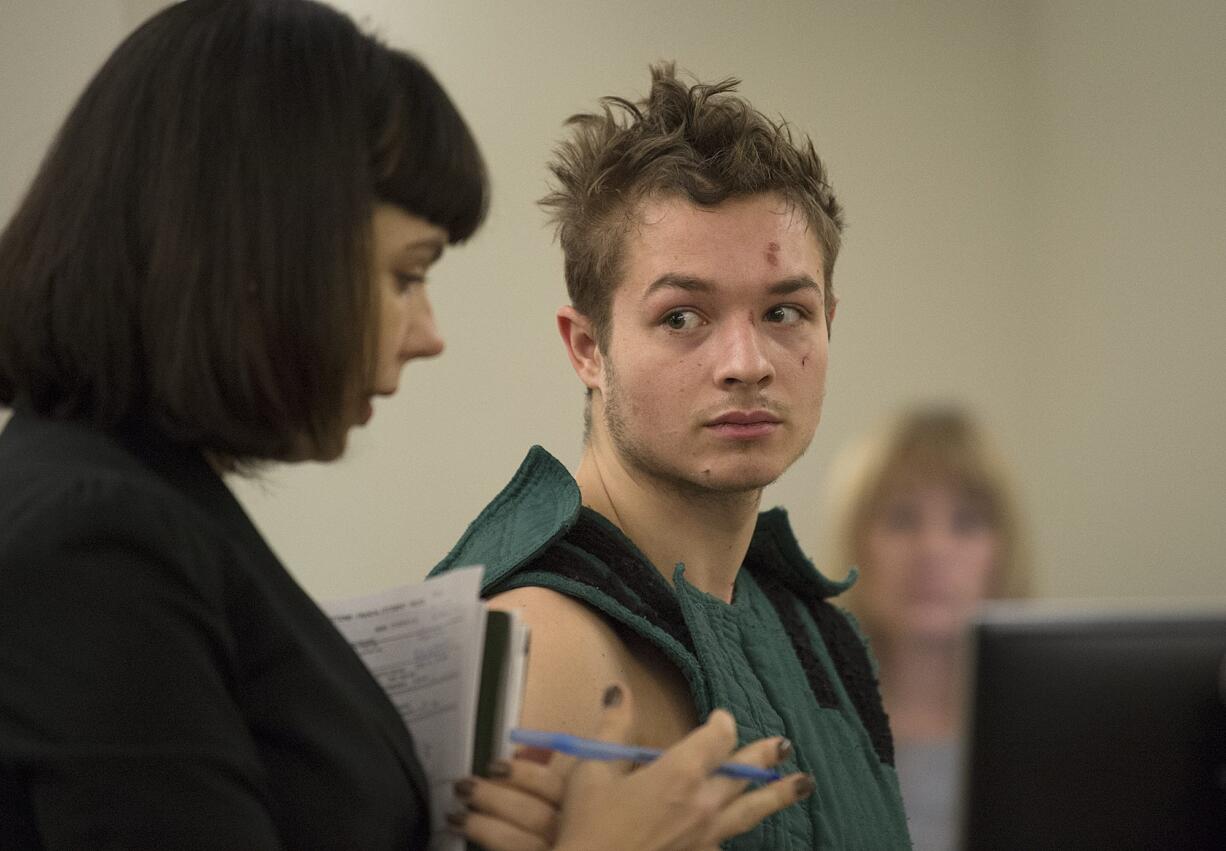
x=709, y=532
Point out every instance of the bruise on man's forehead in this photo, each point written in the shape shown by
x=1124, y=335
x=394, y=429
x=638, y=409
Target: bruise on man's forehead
x=772, y=253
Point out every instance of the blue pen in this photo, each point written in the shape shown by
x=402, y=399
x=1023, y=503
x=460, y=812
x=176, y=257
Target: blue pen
x=594, y=749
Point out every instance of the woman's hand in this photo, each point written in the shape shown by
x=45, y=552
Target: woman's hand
x=513, y=808
x=676, y=802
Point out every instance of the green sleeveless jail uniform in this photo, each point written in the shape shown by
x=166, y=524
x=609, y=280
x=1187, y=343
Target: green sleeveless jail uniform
x=780, y=657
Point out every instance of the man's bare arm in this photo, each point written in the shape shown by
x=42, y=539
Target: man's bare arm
x=574, y=656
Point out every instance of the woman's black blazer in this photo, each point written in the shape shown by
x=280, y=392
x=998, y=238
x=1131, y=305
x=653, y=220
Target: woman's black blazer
x=164, y=682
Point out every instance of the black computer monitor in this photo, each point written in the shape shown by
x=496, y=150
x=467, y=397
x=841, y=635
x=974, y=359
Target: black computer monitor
x=1096, y=730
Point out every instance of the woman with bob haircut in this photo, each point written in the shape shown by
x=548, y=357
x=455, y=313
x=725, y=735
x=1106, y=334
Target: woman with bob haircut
x=924, y=507
x=220, y=262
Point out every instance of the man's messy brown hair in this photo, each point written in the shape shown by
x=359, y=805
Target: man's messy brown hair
x=699, y=142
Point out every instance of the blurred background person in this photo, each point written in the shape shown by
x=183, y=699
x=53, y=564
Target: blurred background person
x=924, y=508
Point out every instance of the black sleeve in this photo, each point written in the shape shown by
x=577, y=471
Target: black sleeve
x=118, y=728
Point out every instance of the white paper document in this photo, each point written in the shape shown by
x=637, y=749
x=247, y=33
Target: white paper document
x=424, y=645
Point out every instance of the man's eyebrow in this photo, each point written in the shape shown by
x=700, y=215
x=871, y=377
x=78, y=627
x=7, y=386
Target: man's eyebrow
x=673, y=281
x=796, y=284
x=689, y=283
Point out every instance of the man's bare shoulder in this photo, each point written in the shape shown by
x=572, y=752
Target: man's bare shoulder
x=574, y=655
x=545, y=604
x=550, y=613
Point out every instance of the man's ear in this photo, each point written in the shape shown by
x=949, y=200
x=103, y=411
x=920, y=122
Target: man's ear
x=834, y=305
x=581, y=346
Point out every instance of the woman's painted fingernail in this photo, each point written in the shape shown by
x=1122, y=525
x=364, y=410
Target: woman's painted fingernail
x=456, y=818
x=612, y=697
x=464, y=788
x=785, y=750
x=498, y=768
x=805, y=786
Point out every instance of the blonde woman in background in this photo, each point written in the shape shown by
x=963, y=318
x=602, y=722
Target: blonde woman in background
x=925, y=509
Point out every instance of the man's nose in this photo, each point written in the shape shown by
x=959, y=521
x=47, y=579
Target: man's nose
x=742, y=358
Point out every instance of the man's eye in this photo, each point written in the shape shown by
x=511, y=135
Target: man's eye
x=680, y=320
x=784, y=314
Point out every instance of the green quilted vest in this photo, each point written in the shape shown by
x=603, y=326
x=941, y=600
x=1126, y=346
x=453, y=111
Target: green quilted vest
x=780, y=657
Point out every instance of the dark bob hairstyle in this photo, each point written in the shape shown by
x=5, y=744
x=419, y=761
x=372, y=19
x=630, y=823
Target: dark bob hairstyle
x=195, y=249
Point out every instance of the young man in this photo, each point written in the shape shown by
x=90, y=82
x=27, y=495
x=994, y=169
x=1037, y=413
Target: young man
x=699, y=243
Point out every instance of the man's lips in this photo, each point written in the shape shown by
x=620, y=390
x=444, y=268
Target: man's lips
x=744, y=425
x=744, y=418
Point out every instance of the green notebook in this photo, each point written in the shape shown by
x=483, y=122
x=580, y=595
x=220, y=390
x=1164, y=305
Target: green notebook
x=501, y=690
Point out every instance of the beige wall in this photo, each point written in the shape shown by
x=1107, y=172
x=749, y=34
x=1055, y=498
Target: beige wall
x=1126, y=440
x=1034, y=193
